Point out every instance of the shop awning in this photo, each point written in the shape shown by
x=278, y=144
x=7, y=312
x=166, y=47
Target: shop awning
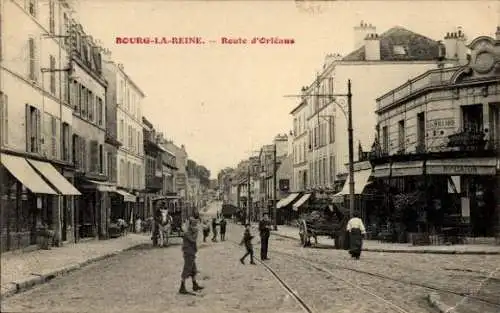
x=25, y=174
x=126, y=196
x=100, y=186
x=360, y=182
x=55, y=178
x=410, y=168
x=382, y=170
x=301, y=201
x=287, y=200
x=466, y=166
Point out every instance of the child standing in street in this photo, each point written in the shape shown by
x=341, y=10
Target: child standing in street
x=206, y=230
x=247, y=241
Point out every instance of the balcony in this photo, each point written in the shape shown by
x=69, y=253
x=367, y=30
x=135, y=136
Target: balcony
x=154, y=183
x=429, y=79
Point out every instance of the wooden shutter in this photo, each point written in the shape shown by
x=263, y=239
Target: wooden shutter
x=38, y=131
x=52, y=65
x=31, y=59
x=83, y=145
x=94, y=160
x=47, y=135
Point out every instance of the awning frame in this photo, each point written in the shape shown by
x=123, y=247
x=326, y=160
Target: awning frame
x=360, y=182
x=382, y=170
x=55, y=178
x=287, y=200
x=26, y=175
x=301, y=201
x=127, y=197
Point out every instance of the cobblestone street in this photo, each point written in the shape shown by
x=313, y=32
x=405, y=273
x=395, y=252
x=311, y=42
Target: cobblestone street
x=146, y=279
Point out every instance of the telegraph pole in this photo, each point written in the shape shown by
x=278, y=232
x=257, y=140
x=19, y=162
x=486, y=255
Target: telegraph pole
x=351, y=149
x=348, y=116
x=275, y=222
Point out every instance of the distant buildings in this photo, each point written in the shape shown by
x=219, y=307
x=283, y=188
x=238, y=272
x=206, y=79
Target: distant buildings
x=73, y=154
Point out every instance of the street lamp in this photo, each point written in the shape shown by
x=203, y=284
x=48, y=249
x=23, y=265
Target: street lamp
x=348, y=116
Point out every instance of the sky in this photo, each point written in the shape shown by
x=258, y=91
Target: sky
x=223, y=102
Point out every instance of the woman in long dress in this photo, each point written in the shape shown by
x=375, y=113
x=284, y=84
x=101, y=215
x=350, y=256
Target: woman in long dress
x=356, y=230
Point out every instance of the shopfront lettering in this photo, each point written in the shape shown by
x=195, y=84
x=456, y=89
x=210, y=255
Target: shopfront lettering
x=441, y=123
x=460, y=169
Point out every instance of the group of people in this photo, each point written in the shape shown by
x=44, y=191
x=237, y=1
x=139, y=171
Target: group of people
x=222, y=223
x=355, y=228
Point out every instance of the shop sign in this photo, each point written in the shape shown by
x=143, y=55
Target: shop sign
x=441, y=123
x=460, y=169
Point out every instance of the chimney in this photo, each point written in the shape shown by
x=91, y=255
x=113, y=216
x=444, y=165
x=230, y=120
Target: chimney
x=455, y=46
x=106, y=55
x=497, y=34
x=372, y=47
x=360, y=32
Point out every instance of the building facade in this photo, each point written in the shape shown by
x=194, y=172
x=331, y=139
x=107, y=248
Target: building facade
x=130, y=155
x=439, y=138
x=397, y=55
x=35, y=138
x=153, y=159
x=87, y=88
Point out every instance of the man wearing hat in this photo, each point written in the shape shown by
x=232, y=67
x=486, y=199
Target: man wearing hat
x=189, y=249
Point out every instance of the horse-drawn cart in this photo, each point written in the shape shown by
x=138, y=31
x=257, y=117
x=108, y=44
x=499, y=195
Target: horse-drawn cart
x=328, y=221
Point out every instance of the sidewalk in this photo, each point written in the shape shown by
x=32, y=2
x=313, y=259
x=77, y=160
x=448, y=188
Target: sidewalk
x=20, y=271
x=376, y=246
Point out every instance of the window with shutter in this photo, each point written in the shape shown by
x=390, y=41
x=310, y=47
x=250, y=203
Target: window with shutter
x=4, y=111
x=51, y=138
x=101, y=160
x=91, y=103
x=52, y=66
x=100, y=113
x=114, y=168
x=65, y=142
x=32, y=73
x=75, y=155
x=83, y=143
x=83, y=101
x=94, y=157
x=38, y=131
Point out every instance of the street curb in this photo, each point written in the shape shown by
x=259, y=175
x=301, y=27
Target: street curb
x=435, y=301
x=41, y=278
x=426, y=251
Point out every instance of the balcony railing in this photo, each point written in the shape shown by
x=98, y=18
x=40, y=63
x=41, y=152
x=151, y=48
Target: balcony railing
x=429, y=79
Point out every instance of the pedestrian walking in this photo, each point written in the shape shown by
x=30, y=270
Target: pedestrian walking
x=223, y=225
x=189, y=250
x=356, y=230
x=265, y=232
x=206, y=230
x=247, y=241
x=214, y=229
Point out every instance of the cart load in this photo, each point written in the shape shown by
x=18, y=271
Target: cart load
x=326, y=222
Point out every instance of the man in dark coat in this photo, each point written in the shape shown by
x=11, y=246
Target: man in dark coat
x=265, y=232
x=189, y=249
x=214, y=229
x=223, y=225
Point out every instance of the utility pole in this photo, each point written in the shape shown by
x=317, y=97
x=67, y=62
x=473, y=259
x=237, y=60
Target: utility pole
x=275, y=222
x=351, y=149
x=348, y=116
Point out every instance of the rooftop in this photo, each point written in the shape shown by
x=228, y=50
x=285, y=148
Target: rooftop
x=401, y=44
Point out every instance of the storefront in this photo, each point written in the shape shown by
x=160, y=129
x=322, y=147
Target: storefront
x=34, y=195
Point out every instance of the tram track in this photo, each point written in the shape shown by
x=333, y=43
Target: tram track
x=321, y=269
